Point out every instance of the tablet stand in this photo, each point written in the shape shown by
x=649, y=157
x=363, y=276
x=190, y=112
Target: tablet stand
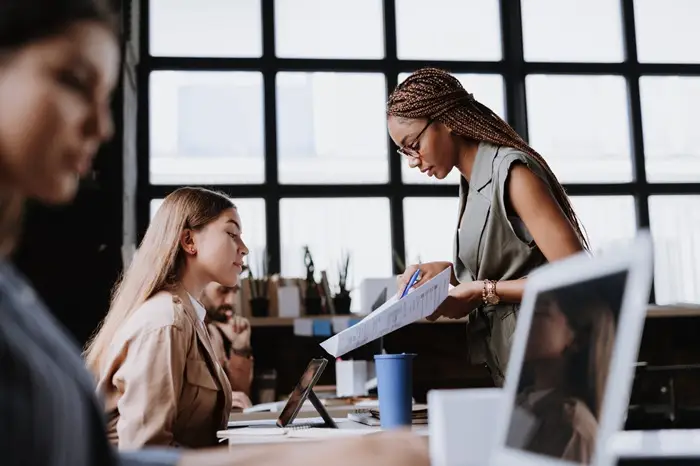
x=327, y=419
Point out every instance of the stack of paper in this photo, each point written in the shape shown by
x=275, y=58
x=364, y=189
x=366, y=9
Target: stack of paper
x=392, y=315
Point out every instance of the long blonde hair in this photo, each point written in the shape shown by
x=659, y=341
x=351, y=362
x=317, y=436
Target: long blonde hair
x=157, y=264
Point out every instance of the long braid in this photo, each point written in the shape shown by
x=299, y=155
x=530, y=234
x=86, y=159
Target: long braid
x=435, y=94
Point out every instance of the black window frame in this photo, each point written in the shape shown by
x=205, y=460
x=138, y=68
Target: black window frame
x=512, y=67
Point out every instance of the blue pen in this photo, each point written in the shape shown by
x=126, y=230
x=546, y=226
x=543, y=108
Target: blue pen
x=411, y=282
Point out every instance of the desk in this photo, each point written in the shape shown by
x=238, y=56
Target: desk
x=346, y=428
x=307, y=414
x=656, y=447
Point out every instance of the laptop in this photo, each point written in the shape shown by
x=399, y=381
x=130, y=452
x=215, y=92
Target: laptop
x=572, y=361
x=302, y=391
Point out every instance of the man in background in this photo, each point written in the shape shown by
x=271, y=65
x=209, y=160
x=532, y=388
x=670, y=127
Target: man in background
x=230, y=337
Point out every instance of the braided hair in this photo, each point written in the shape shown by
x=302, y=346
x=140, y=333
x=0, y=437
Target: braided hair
x=435, y=94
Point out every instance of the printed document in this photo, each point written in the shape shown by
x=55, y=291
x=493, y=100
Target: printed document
x=392, y=315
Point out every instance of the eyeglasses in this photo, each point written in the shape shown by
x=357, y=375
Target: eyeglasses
x=410, y=150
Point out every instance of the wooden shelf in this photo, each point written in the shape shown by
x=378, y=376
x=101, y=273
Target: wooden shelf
x=680, y=310
x=289, y=321
x=675, y=310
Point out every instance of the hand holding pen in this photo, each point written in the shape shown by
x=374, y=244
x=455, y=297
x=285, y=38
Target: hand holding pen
x=414, y=278
x=417, y=274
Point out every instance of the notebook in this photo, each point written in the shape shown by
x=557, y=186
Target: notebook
x=371, y=417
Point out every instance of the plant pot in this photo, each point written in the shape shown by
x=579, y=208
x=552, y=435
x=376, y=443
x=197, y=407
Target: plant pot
x=342, y=304
x=259, y=307
x=313, y=306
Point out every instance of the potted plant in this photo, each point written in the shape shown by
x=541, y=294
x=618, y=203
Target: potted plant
x=312, y=297
x=259, y=288
x=341, y=300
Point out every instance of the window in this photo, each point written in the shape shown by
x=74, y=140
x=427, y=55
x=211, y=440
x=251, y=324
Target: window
x=669, y=118
x=487, y=89
x=331, y=128
x=329, y=29
x=281, y=104
x=429, y=227
x=206, y=28
x=252, y=213
x=675, y=227
x=667, y=31
x=580, y=125
x=608, y=220
x=448, y=30
x=560, y=31
x=330, y=227
x=206, y=128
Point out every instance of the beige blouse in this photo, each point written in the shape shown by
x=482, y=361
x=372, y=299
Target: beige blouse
x=162, y=382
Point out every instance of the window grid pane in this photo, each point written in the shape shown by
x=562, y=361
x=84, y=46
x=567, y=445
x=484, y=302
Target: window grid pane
x=667, y=31
x=331, y=226
x=669, y=122
x=567, y=125
x=448, y=30
x=206, y=28
x=608, y=220
x=429, y=227
x=331, y=128
x=206, y=127
x=675, y=227
x=560, y=31
x=329, y=29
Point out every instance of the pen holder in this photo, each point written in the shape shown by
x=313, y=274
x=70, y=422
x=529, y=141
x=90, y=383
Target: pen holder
x=259, y=307
x=313, y=306
x=341, y=304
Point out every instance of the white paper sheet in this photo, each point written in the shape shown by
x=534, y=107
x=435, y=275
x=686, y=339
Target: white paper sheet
x=392, y=315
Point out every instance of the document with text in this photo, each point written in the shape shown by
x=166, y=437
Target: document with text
x=392, y=315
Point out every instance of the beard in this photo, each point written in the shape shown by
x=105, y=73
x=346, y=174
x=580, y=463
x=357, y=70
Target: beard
x=221, y=313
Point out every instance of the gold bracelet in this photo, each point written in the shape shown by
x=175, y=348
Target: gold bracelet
x=489, y=294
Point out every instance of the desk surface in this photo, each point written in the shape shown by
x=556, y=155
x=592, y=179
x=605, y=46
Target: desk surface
x=346, y=428
x=669, y=443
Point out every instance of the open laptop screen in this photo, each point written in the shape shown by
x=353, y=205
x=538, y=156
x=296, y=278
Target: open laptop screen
x=301, y=391
x=565, y=369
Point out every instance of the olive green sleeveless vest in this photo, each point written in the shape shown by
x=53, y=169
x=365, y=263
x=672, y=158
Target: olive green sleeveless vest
x=491, y=244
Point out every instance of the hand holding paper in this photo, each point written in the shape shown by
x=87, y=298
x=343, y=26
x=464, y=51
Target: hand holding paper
x=426, y=271
x=392, y=315
x=461, y=300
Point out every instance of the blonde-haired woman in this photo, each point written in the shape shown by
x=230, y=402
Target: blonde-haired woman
x=152, y=356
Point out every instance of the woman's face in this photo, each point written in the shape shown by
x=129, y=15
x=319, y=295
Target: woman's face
x=428, y=145
x=55, y=96
x=550, y=333
x=220, y=248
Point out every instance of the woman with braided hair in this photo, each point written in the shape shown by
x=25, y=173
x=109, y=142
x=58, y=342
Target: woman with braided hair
x=513, y=217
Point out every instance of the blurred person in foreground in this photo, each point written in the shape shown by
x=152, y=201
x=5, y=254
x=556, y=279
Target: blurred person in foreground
x=59, y=64
x=230, y=336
